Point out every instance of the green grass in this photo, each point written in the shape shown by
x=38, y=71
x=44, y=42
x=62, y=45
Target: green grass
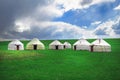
x=60, y=64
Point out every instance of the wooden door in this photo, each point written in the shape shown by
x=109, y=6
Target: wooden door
x=35, y=47
x=18, y=47
x=64, y=46
x=91, y=48
x=56, y=47
x=75, y=47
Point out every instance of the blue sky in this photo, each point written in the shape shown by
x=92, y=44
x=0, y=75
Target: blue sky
x=59, y=19
x=94, y=13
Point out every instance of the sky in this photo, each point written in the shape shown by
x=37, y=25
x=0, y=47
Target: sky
x=59, y=19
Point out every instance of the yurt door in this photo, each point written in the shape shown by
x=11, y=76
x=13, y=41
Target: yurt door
x=75, y=47
x=56, y=47
x=17, y=47
x=64, y=46
x=35, y=47
x=92, y=48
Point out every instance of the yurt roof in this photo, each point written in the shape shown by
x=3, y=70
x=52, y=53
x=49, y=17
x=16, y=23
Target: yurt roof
x=15, y=42
x=100, y=42
x=81, y=42
x=56, y=42
x=67, y=43
x=35, y=41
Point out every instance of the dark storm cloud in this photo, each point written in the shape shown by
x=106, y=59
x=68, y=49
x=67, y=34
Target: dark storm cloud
x=41, y=33
x=10, y=10
x=35, y=32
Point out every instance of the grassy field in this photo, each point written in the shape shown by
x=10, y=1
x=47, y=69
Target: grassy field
x=60, y=64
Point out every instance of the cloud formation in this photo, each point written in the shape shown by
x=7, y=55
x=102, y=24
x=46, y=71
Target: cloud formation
x=117, y=8
x=109, y=28
x=26, y=19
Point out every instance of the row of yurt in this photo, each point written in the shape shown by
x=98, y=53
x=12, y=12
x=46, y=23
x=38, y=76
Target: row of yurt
x=58, y=45
x=34, y=44
x=98, y=45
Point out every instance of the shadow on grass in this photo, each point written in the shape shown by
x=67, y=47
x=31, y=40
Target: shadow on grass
x=11, y=55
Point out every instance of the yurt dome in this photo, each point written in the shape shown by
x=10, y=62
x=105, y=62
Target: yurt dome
x=35, y=44
x=67, y=45
x=81, y=44
x=15, y=45
x=56, y=45
x=100, y=45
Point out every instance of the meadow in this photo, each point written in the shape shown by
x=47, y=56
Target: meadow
x=64, y=64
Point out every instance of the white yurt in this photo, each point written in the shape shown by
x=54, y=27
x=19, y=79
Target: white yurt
x=66, y=45
x=15, y=45
x=81, y=44
x=56, y=45
x=35, y=44
x=100, y=45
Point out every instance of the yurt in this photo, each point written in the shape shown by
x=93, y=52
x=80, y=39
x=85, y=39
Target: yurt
x=100, y=45
x=81, y=44
x=56, y=45
x=66, y=45
x=35, y=44
x=15, y=45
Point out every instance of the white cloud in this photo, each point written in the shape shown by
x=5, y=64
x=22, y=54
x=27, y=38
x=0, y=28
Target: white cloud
x=117, y=8
x=41, y=19
x=96, y=23
x=67, y=30
x=50, y=11
x=57, y=8
x=57, y=29
x=78, y=4
x=101, y=1
x=22, y=25
x=108, y=27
